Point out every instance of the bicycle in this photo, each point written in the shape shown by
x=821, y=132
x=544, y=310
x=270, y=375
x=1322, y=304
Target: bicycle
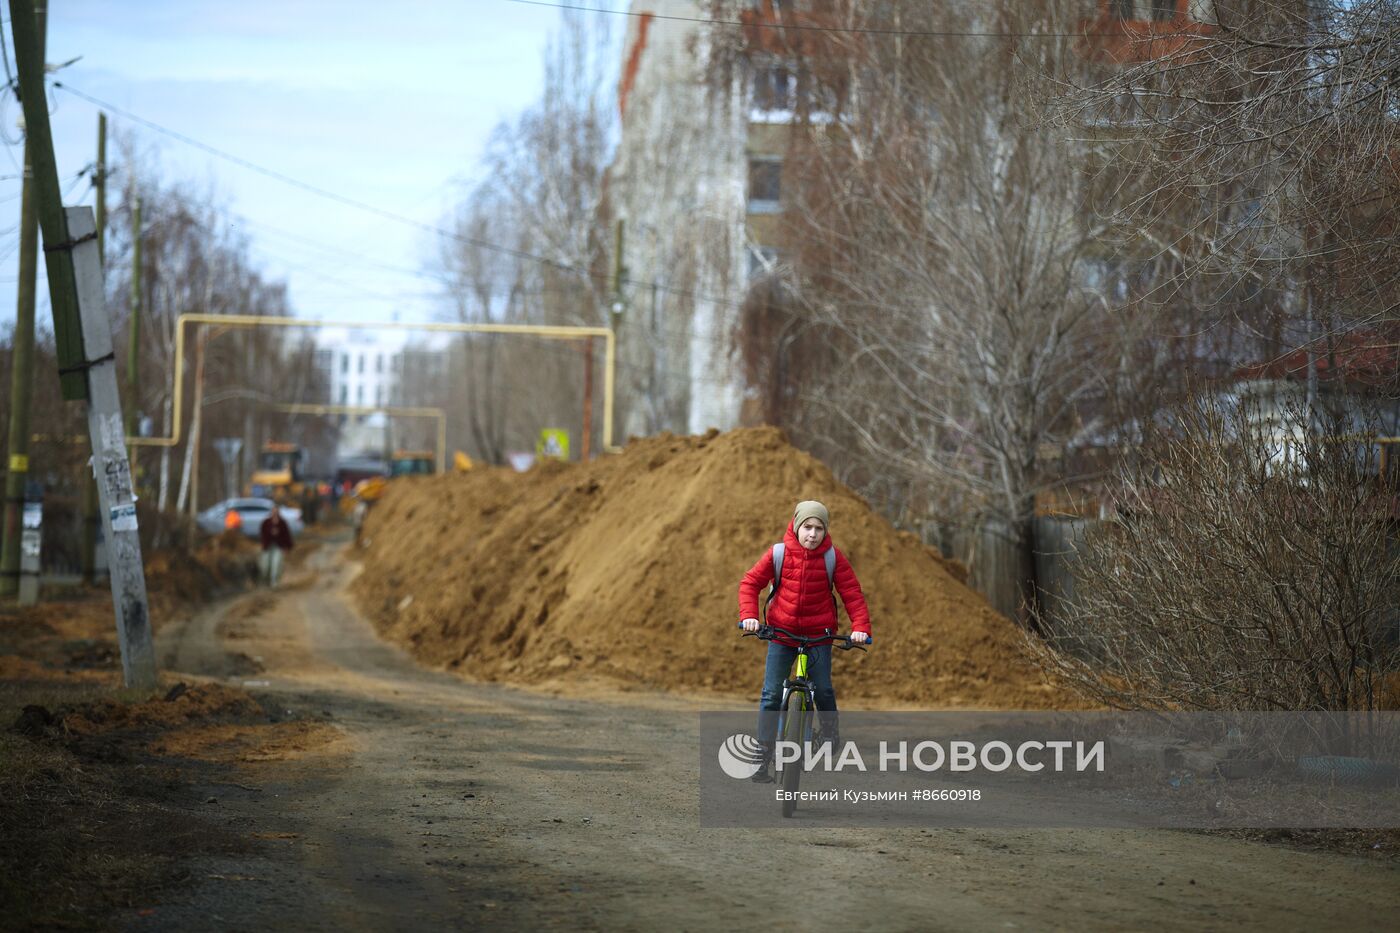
x=795, y=710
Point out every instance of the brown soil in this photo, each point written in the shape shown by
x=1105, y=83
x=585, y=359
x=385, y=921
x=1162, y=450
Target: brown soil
x=76, y=638
x=98, y=801
x=628, y=566
x=15, y=667
x=181, y=706
x=234, y=742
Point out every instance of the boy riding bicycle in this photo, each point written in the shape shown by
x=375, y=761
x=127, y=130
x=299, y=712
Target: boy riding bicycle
x=801, y=602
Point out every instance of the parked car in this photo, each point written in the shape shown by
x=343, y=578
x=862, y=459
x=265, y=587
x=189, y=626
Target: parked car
x=251, y=511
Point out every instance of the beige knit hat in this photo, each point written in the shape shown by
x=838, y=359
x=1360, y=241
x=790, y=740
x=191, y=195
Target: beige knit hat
x=811, y=508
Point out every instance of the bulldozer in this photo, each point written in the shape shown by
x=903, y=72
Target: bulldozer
x=280, y=475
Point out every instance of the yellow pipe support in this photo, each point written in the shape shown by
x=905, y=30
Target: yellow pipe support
x=252, y=320
x=398, y=411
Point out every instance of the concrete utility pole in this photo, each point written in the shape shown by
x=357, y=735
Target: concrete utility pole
x=585, y=449
x=615, y=308
x=22, y=364
x=87, y=366
x=91, y=519
x=133, y=347
x=197, y=419
x=114, y=489
x=619, y=272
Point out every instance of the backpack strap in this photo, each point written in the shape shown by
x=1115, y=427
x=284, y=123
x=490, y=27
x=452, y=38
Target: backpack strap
x=778, y=550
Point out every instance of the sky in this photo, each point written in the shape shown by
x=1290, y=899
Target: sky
x=386, y=103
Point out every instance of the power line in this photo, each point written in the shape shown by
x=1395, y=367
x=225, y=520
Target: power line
x=801, y=27
x=324, y=192
x=338, y=198
x=328, y=248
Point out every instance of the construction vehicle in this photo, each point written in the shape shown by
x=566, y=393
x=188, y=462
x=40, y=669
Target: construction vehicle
x=412, y=463
x=280, y=474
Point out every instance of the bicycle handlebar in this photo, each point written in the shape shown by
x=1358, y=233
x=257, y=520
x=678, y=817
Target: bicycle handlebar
x=768, y=632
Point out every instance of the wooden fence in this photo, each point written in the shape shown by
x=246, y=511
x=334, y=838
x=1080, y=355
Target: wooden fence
x=990, y=553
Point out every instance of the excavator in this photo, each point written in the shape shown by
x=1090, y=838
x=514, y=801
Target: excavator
x=280, y=474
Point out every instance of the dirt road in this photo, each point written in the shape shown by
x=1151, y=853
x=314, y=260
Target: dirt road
x=453, y=805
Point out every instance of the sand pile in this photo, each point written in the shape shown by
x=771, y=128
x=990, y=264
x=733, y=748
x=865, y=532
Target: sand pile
x=628, y=567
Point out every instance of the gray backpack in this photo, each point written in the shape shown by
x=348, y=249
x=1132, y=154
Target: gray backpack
x=829, y=558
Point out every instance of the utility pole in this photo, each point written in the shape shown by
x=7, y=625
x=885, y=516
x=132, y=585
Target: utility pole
x=91, y=519
x=615, y=308
x=197, y=420
x=63, y=289
x=22, y=363
x=133, y=347
x=585, y=450
x=99, y=181
x=619, y=272
x=87, y=368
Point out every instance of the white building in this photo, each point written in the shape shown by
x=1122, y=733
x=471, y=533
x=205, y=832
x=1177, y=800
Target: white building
x=363, y=366
x=366, y=369
x=678, y=182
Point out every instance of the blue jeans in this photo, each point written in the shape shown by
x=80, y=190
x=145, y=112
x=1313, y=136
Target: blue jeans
x=776, y=670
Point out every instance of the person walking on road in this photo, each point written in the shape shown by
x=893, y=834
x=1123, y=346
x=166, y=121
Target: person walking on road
x=276, y=536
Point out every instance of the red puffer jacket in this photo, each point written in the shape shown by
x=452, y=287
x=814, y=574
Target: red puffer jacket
x=804, y=603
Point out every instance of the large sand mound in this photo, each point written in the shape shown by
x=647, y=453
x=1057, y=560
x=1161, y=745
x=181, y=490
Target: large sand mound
x=628, y=567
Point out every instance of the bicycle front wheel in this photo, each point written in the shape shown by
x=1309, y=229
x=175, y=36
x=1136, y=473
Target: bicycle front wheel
x=795, y=731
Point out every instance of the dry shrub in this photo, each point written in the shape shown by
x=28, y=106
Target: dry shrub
x=1243, y=574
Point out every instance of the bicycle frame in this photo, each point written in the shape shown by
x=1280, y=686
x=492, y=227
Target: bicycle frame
x=798, y=681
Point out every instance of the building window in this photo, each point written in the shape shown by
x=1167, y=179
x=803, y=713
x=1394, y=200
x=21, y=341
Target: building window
x=344, y=394
x=1142, y=10
x=398, y=362
x=362, y=364
x=379, y=363
x=379, y=395
x=360, y=392
x=765, y=185
x=774, y=88
x=345, y=362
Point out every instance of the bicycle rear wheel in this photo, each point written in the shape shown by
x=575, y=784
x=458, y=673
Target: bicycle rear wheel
x=794, y=730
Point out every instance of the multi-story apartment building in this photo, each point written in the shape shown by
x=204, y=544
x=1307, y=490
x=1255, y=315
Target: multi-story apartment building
x=381, y=369
x=680, y=185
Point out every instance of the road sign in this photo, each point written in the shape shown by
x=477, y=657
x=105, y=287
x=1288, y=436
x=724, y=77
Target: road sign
x=553, y=443
x=228, y=448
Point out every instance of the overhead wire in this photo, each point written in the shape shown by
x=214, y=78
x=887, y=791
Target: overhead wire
x=456, y=236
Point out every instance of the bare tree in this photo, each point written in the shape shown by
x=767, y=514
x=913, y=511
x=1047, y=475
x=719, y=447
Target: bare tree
x=1250, y=569
x=1268, y=130
x=532, y=247
x=191, y=262
x=945, y=274
x=485, y=288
